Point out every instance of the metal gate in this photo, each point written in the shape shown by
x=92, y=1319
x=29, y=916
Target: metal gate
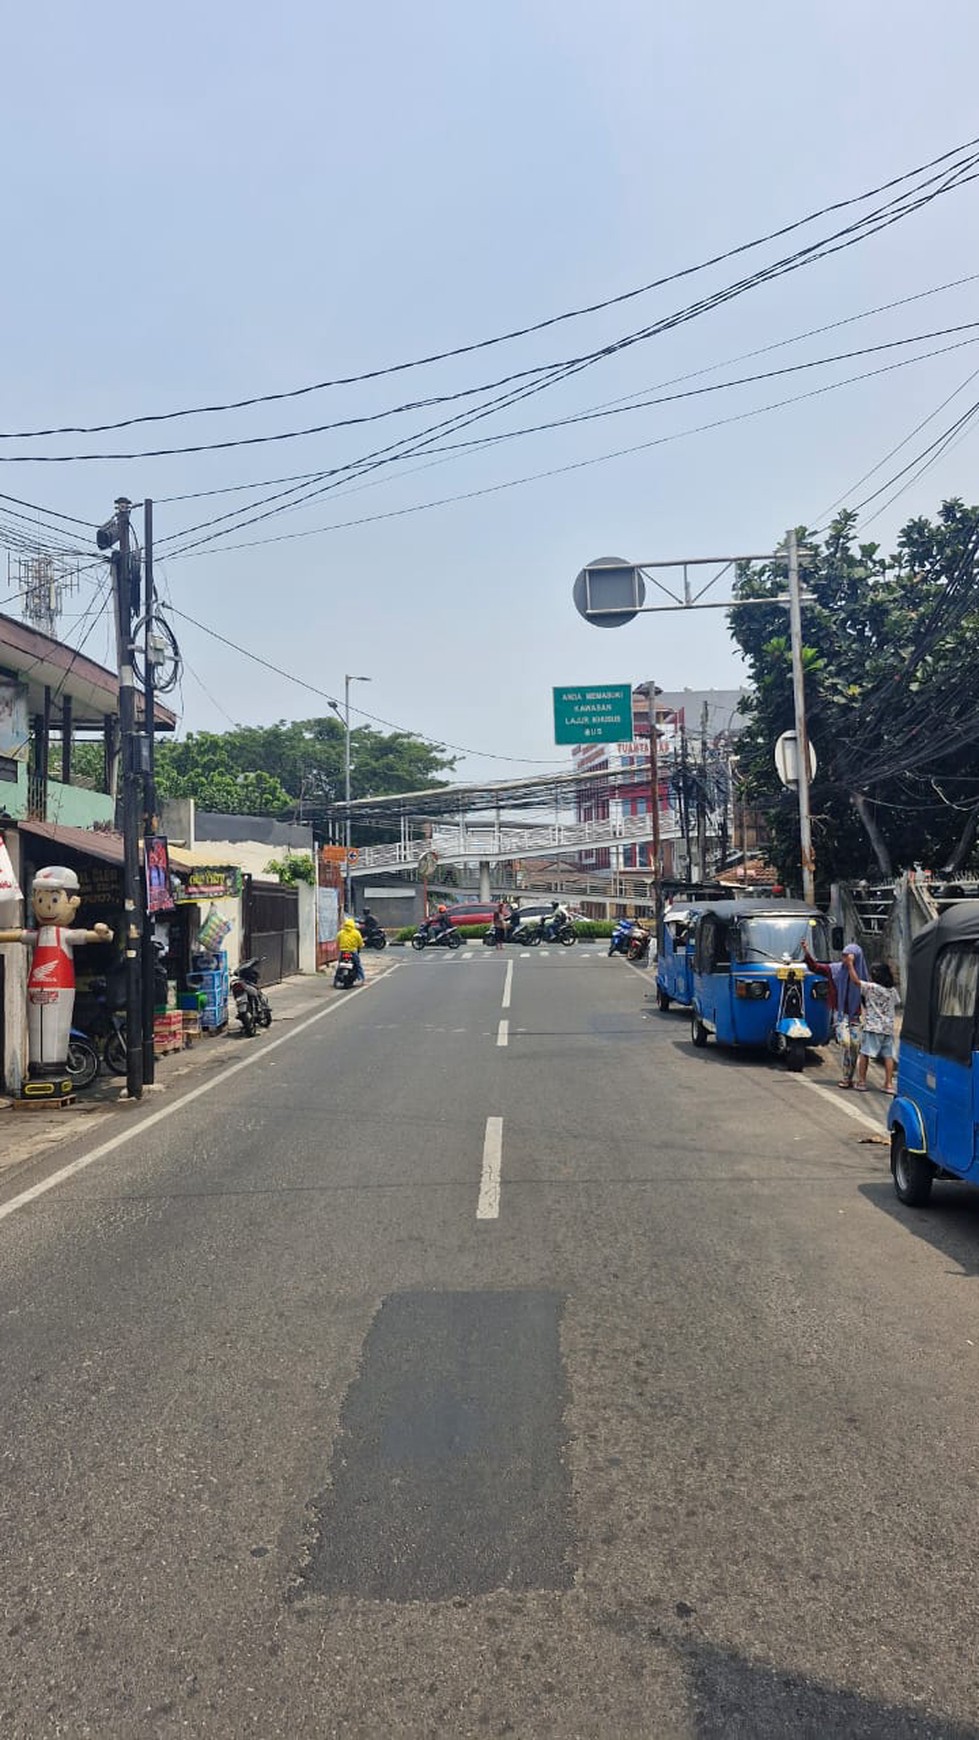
x=271, y=928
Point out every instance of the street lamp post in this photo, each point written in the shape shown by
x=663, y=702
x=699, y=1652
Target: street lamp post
x=346, y=778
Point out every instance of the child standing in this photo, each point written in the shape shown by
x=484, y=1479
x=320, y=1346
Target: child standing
x=879, y=1003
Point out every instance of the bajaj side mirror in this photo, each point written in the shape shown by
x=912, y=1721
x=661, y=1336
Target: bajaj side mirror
x=837, y=936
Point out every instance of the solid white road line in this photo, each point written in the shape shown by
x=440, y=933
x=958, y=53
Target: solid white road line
x=503, y=1033
x=842, y=1105
x=508, y=985
x=488, y=1206
x=138, y=1128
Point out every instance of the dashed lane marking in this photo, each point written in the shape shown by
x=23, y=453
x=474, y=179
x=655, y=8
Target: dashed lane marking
x=503, y=1032
x=488, y=1206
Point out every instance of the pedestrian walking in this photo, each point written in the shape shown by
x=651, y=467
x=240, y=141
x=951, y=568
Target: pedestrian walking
x=846, y=1002
x=879, y=995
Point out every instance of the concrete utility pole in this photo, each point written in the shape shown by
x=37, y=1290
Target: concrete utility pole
x=116, y=531
x=654, y=801
x=149, y=791
x=801, y=734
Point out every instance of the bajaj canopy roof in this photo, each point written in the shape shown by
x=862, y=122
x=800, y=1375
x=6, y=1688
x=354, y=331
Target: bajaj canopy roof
x=960, y=924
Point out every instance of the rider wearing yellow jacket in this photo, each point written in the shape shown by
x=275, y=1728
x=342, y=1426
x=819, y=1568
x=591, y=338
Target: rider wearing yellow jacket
x=350, y=940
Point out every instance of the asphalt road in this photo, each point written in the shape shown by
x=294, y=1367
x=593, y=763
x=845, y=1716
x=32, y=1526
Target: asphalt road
x=433, y=1376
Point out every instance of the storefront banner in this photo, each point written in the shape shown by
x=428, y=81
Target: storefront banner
x=212, y=882
x=156, y=858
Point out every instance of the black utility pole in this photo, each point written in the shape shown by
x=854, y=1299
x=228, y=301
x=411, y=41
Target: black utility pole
x=116, y=531
x=149, y=791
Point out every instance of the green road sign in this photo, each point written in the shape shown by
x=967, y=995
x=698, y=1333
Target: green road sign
x=599, y=715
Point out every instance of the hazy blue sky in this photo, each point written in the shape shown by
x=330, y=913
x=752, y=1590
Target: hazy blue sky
x=202, y=202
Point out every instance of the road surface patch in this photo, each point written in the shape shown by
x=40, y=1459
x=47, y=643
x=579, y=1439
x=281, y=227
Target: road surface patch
x=449, y=1475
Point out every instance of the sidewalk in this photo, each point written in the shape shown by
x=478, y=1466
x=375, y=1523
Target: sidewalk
x=28, y=1135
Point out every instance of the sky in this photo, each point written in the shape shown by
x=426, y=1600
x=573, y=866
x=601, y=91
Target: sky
x=211, y=203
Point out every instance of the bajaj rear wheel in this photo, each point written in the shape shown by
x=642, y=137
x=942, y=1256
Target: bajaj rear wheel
x=913, y=1174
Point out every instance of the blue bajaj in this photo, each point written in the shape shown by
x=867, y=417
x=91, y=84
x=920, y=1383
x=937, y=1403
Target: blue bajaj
x=674, y=958
x=751, y=985
x=933, y=1119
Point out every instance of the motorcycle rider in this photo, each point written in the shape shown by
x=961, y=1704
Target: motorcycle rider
x=350, y=941
x=442, y=921
x=560, y=916
x=369, y=922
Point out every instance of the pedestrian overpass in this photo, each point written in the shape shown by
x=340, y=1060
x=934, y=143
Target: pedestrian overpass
x=468, y=843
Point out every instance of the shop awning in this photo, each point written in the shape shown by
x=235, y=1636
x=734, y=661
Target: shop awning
x=87, y=842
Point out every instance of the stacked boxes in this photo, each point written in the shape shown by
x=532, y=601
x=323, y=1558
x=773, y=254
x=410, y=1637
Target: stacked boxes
x=168, y=1033
x=210, y=976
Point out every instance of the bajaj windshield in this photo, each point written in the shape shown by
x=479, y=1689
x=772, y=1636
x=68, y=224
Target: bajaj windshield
x=781, y=938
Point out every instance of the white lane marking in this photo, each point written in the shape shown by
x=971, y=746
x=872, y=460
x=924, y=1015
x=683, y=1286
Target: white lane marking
x=842, y=1105
x=503, y=1033
x=507, y=985
x=488, y=1206
x=144, y=1124
x=526, y=955
x=467, y=954
x=545, y=954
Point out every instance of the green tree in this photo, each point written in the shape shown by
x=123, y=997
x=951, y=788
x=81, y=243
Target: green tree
x=892, y=704
x=295, y=767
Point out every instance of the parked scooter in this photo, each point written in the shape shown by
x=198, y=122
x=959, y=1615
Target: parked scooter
x=252, y=1007
x=345, y=975
x=619, y=941
x=427, y=934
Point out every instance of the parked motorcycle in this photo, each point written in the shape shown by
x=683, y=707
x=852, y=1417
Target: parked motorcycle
x=252, y=1007
x=427, y=934
x=637, y=948
x=82, y=1061
x=345, y=975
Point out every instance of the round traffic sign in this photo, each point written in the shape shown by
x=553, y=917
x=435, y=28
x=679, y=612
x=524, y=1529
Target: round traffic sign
x=427, y=863
x=603, y=587
x=353, y=856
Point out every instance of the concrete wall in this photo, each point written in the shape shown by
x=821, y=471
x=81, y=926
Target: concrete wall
x=307, y=928
x=73, y=806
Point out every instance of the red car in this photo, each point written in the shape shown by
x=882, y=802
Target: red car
x=464, y=912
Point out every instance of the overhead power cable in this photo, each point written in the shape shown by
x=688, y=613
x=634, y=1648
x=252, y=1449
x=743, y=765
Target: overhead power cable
x=658, y=386
x=870, y=224
x=210, y=546
x=960, y=151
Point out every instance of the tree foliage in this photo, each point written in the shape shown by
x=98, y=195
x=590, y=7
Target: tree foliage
x=892, y=697
x=294, y=768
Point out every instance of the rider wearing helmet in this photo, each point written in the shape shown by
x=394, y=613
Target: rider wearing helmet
x=442, y=921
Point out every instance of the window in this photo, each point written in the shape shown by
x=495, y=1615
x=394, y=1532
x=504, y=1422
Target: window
x=957, y=983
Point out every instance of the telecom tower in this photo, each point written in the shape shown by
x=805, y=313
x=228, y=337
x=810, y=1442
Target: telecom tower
x=43, y=582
